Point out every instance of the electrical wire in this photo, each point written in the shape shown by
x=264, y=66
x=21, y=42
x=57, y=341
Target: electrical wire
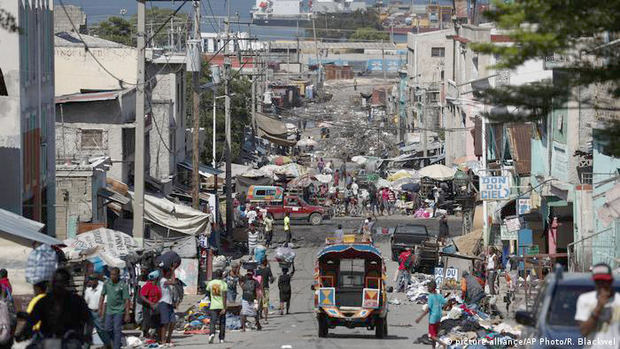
x=211, y=22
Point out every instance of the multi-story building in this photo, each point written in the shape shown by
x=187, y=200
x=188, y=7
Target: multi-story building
x=27, y=112
x=68, y=18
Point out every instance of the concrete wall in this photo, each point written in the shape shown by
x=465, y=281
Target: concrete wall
x=76, y=69
x=428, y=66
x=27, y=116
x=584, y=227
x=606, y=245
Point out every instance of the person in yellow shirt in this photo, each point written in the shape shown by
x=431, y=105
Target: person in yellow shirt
x=287, y=227
x=40, y=290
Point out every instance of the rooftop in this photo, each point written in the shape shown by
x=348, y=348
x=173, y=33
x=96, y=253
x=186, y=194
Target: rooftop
x=72, y=39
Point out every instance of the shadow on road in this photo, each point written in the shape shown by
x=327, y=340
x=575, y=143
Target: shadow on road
x=361, y=336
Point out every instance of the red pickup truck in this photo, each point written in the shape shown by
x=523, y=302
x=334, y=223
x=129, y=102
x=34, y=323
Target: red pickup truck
x=297, y=208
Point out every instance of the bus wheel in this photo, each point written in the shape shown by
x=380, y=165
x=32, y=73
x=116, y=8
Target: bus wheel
x=323, y=329
x=380, y=328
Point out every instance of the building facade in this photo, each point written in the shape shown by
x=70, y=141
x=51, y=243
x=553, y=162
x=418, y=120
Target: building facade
x=27, y=117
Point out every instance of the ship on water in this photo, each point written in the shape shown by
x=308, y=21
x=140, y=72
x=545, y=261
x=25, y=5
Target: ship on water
x=290, y=12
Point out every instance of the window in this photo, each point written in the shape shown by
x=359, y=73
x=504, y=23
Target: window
x=92, y=139
x=352, y=272
x=438, y=52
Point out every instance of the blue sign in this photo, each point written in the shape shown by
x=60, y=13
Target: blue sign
x=494, y=188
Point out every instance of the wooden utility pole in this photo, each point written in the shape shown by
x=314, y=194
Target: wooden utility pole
x=138, y=182
x=229, y=208
x=196, y=113
x=316, y=52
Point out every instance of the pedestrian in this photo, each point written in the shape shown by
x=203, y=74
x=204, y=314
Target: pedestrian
x=250, y=214
x=598, y=311
x=385, y=198
x=150, y=295
x=336, y=178
x=320, y=165
x=252, y=240
x=39, y=289
x=287, y=228
x=268, y=223
x=436, y=303
x=217, y=290
x=61, y=314
x=492, y=264
x=92, y=296
x=444, y=229
x=471, y=290
x=355, y=189
x=405, y=267
x=284, y=286
x=4, y=280
x=232, y=280
x=436, y=197
x=354, y=84
x=391, y=202
x=167, y=317
x=248, y=296
x=512, y=269
x=339, y=233
x=115, y=295
x=374, y=202
x=264, y=270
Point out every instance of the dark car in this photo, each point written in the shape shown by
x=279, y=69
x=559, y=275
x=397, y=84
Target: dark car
x=407, y=235
x=553, y=314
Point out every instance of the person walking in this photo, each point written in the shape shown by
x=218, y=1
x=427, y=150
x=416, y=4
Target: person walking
x=391, y=202
x=287, y=228
x=232, y=280
x=436, y=302
x=92, y=296
x=405, y=266
x=249, y=295
x=320, y=165
x=167, y=317
x=217, y=290
x=598, y=311
x=444, y=229
x=61, y=314
x=252, y=240
x=264, y=270
x=115, y=294
x=492, y=265
x=268, y=223
x=150, y=295
x=336, y=178
x=284, y=286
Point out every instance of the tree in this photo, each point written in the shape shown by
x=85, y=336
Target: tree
x=369, y=34
x=8, y=22
x=115, y=29
x=342, y=26
x=581, y=33
x=120, y=30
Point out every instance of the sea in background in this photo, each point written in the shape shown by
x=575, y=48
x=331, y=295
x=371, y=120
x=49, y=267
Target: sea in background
x=98, y=10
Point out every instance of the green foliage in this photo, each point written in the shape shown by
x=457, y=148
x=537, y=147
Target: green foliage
x=240, y=111
x=115, y=29
x=8, y=22
x=570, y=30
x=343, y=26
x=120, y=30
x=369, y=34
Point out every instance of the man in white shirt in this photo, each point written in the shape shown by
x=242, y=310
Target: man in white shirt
x=598, y=311
x=354, y=189
x=252, y=239
x=92, y=294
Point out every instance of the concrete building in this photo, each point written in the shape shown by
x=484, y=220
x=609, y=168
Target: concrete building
x=67, y=14
x=77, y=70
x=82, y=196
x=100, y=124
x=27, y=112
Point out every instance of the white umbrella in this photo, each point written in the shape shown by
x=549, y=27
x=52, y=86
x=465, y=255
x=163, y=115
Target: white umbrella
x=438, y=172
x=358, y=159
x=382, y=183
x=307, y=142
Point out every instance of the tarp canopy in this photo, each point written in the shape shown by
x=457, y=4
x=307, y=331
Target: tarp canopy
x=107, y=244
x=243, y=183
x=276, y=140
x=271, y=126
x=23, y=230
x=177, y=217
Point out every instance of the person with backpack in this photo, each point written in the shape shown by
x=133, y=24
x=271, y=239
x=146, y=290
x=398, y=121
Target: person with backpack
x=405, y=266
x=150, y=294
x=250, y=288
x=284, y=286
x=63, y=315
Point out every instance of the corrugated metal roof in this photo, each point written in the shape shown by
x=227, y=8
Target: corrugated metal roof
x=204, y=170
x=309, y=45
x=89, y=97
x=520, y=136
x=23, y=230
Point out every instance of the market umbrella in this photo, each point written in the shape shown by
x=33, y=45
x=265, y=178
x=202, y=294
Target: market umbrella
x=413, y=187
x=438, y=172
x=308, y=142
x=382, y=183
x=399, y=183
x=282, y=160
x=400, y=174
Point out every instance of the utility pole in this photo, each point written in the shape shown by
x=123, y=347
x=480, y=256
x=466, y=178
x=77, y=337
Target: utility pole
x=138, y=182
x=425, y=124
x=229, y=208
x=316, y=52
x=196, y=112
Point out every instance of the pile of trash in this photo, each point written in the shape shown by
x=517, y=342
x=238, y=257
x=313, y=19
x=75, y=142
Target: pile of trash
x=417, y=292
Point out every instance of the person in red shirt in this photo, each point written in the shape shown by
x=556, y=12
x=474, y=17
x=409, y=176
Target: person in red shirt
x=4, y=280
x=405, y=265
x=150, y=294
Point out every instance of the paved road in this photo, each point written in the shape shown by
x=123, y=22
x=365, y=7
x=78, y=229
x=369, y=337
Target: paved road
x=299, y=329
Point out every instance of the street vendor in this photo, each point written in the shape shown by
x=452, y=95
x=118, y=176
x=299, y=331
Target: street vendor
x=472, y=291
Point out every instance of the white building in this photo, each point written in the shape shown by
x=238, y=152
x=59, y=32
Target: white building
x=27, y=112
x=212, y=42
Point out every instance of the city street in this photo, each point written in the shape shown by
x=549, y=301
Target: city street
x=299, y=329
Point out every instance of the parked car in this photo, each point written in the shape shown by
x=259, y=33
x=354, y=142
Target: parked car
x=423, y=245
x=298, y=210
x=553, y=314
